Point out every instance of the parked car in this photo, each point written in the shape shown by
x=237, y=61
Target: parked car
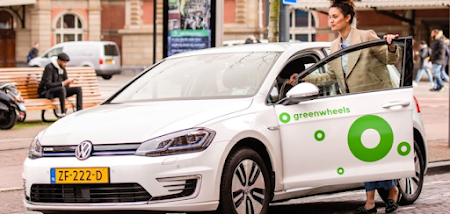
x=103, y=56
x=214, y=129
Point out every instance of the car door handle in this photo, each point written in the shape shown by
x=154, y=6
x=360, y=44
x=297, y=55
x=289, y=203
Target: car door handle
x=396, y=103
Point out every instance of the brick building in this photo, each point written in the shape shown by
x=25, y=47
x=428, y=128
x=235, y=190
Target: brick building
x=130, y=23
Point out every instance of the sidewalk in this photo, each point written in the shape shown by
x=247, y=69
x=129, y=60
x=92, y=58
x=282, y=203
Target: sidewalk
x=434, y=108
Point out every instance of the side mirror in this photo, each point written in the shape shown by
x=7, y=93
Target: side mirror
x=301, y=92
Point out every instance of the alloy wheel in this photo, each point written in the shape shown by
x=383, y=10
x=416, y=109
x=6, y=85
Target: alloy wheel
x=248, y=187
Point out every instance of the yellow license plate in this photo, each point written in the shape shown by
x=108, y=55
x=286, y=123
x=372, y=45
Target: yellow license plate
x=109, y=61
x=79, y=175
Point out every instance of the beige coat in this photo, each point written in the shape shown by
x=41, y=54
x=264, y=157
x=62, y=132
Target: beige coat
x=366, y=68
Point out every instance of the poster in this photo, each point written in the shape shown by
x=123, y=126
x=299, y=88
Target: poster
x=189, y=25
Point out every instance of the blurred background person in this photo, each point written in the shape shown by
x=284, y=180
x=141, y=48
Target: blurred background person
x=33, y=52
x=437, y=58
x=444, y=74
x=251, y=39
x=423, y=53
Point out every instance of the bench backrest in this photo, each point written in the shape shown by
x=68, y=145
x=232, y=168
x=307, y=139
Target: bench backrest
x=28, y=79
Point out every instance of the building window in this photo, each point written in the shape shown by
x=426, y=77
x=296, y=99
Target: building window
x=6, y=20
x=302, y=25
x=68, y=28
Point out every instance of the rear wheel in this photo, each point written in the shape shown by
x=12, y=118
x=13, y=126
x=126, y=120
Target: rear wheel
x=409, y=188
x=8, y=119
x=245, y=187
x=106, y=77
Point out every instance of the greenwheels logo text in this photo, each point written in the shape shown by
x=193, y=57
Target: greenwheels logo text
x=286, y=118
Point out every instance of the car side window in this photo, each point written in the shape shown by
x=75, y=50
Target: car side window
x=53, y=52
x=369, y=69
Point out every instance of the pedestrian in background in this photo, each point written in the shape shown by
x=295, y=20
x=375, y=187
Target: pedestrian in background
x=33, y=52
x=444, y=66
x=251, y=39
x=424, y=53
x=437, y=58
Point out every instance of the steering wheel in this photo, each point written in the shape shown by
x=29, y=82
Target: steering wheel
x=283, y=91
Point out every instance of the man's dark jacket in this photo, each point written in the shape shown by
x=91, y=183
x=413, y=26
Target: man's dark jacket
x=438, y=51
x=51, y=79
x=32, y=53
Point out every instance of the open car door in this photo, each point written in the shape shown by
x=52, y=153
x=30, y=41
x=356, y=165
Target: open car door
x=354, y=132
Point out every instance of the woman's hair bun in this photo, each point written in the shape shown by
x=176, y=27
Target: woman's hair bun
x=350, y=3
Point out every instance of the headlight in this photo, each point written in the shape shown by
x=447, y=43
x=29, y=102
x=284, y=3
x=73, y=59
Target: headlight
x=35, y=150
x=185, y=141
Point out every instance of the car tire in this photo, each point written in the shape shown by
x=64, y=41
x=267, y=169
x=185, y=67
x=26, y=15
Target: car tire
x=106, y=77
x=245, y=186
x=8, y=119
x=409, y=188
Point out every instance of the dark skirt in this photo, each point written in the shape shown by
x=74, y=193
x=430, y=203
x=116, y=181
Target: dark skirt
x=387, y=185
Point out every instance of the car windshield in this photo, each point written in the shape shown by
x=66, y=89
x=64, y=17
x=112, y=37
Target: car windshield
x=208, y=76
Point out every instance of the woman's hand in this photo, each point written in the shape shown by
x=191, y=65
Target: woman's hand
x=390, y=37
x=292, y=79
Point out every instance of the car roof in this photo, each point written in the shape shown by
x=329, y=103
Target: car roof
x=84, y=42
x=260, y=47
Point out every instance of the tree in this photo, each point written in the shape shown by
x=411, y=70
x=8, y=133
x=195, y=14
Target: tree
x=274, y=15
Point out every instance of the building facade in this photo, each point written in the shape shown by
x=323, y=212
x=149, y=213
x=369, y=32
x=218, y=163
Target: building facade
x=129, y=23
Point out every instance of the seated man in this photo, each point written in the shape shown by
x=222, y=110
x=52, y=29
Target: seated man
x=54, y=83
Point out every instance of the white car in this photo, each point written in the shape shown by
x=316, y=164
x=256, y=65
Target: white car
x=214, y=129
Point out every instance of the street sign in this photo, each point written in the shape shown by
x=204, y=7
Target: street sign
x=291, y=2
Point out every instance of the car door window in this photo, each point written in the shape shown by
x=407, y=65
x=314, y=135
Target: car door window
x=370, y=69
x=295, y=66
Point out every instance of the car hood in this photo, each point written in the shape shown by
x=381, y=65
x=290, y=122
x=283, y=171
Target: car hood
x=136, y=122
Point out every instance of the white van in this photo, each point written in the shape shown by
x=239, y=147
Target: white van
x=103, y=56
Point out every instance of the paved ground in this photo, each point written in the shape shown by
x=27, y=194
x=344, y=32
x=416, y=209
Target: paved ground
x=434, y=108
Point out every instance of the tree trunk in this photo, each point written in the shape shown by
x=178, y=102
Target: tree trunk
x=274, y=15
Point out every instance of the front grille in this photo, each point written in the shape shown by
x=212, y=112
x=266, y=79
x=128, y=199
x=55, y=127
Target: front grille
x=98, y=150
x=88, y=193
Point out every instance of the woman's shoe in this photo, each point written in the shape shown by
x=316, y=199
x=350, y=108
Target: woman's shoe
x=363, y=210
x=391, y=206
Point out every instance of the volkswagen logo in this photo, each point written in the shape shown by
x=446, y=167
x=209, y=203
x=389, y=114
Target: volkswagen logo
x=84, y=150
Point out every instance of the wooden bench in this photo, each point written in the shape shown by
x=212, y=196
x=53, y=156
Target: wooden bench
x=28, y=79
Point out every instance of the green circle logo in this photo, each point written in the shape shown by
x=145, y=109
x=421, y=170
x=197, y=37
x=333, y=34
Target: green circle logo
x=340, y=171
x=319, y=135
x=357, y=129
x=285, y=117
x=407, y=148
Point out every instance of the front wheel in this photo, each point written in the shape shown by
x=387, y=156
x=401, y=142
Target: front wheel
x=245, y=186
x=8, y=119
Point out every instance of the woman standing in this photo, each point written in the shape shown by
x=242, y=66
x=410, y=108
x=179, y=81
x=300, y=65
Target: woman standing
x=341, y=15
x=357, y=78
